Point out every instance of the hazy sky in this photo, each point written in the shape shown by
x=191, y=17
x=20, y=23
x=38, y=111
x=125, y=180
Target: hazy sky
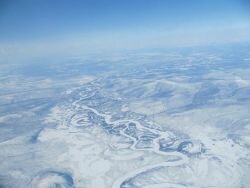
x=78, y=26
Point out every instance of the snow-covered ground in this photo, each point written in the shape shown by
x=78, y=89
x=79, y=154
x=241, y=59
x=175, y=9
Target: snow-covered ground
x=163, y=123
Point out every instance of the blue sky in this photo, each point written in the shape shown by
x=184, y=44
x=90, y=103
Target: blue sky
x=92, y=25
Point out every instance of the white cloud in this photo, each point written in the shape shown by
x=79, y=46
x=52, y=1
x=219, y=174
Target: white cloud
x=122, y=40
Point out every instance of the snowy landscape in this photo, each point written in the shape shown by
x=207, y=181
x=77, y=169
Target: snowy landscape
x=145, y=119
